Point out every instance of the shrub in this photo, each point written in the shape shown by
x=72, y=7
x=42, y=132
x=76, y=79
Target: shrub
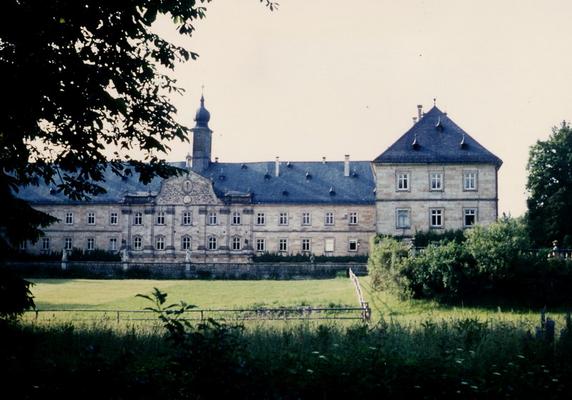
x=385, y=264
x=424, y=238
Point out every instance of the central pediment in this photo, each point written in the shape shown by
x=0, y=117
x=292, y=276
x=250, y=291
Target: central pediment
x=188, y=189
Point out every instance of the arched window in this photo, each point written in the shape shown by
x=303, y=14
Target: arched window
x=212, y=243
x=160, y=242
x=137, y=243
x=186, y=243
x=236, y=245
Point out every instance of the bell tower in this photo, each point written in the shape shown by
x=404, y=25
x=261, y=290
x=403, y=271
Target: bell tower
x=202, y=139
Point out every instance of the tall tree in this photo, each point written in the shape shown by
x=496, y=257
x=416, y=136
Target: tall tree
x=550, y=188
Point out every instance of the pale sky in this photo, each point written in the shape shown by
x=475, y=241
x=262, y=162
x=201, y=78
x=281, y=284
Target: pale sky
x=327, y=78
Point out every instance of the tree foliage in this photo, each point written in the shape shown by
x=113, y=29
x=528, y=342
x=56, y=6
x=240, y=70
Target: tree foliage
x=550, y=188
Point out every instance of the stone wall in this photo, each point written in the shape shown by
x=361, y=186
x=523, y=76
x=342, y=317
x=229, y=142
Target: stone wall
x=117, y=270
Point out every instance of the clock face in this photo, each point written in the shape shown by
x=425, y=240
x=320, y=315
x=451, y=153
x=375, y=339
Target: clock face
x=187, y=186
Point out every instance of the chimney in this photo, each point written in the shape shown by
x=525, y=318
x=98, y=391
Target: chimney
x=277, y=166
x=216, y=159
x=419, y=112
x=347, y=165
x=323, y=160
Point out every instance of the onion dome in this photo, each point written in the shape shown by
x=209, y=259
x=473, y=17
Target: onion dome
x=202, y=116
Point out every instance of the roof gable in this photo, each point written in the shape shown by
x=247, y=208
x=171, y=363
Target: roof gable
x=437, y=139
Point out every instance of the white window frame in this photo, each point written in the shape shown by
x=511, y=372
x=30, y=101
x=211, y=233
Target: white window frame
x=113, y=244
x=69, y=218
x=283, y=245
x=137, y=242
x=329, y=219
x=45, y=243
x=160, y=218
x=402, y=211
x=354, y=218
x=236, y=243
x=436, y=214
x=260, y=218
x=160, y=242
x=91, y=218
x=235, y=218
x=113, y=218
x=306, y=219
x=436, y=181
x=283, y=218
x=187, y=218
x=138, y=218
x=466, y=213
x=355, y=242
x=90, y=244
x=470, y=181
x=306, y=245
x=212, y=243
x=68, y=243
x=402, y=181
x=186, y=242
x=261, y=245
x=212, y=218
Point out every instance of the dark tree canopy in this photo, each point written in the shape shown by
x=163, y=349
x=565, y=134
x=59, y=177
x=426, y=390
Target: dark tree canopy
x=80, y=76
x=550, y=188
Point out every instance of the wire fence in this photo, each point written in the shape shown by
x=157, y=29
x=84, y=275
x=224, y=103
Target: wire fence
x=245, y=314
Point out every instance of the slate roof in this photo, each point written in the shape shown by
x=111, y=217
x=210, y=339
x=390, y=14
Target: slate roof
x=298, y=183
x=436, y=139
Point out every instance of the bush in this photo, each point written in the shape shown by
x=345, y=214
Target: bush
x=425, y=238
x=385, y=264
x=275, y=257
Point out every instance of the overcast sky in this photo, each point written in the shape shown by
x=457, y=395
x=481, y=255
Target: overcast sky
x=326, y=77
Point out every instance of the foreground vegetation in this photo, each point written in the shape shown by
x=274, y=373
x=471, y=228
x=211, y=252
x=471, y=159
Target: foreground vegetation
x=457, y=358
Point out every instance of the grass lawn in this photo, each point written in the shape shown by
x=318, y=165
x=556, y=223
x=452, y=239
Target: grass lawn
x=213, y=294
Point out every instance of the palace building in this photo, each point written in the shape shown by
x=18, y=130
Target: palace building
x=435, y=176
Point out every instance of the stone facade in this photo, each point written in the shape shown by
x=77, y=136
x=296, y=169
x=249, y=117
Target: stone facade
x=434, y=177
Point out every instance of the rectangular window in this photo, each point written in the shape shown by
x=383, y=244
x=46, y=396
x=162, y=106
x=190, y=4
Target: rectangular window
x=90, y=244
x=329, y=218
x=187, y=218
x=235, y=218
x=68, y=244
x=306, y=245
x=260, y=219
x=91, y=218
x=236, y=243
x=69, y=218
x=283, y=245
x=470, y=180
x=260, y=245
x=402, y=218
x=329, y=245
x=353, y=245
x=212, y=218
x=403, y=181
x=306, y=219
x=138, y=218
x=353, y=218
x=160, y=243
x=23, y=245
x=436, y=181
x=45, y=243
x=113, y=244
x=160, y=218
x=436, y=217
x=212, y=243
x=113, y=218
x=283, y=218
x=469, y=217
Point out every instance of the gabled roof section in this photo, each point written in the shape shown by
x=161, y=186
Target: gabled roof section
x=436, y=139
